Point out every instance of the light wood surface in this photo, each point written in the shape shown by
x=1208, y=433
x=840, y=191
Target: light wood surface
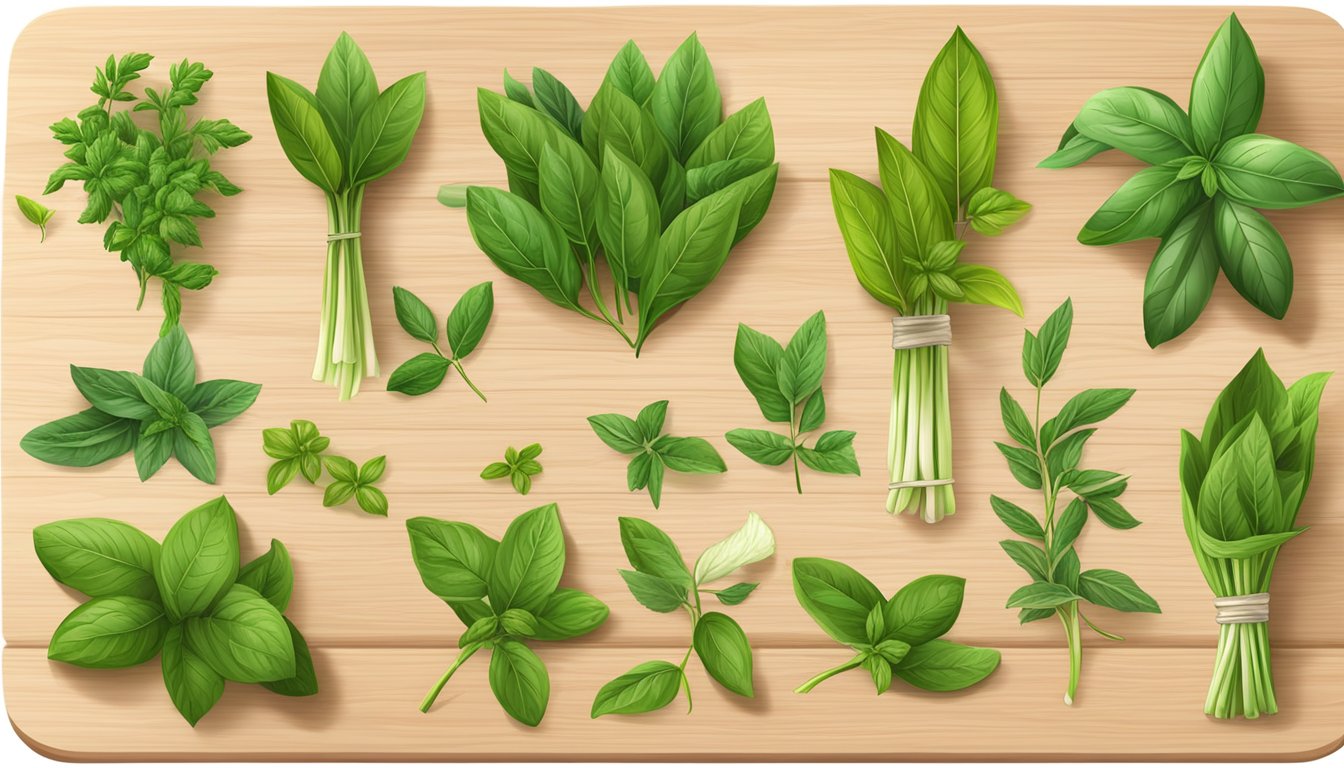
x=828, y=75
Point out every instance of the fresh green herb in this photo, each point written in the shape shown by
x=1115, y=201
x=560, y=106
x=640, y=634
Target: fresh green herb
x=187, y=601
x=147, y=180
x=661, y=582
x=35, y=212
x=1046, y=458
x=1210, y=173
x=505, y=593
x=300, y=450
x=786, y=382
x=159, y=413
x=899, y=637
x=651, y=178
x=905, y=241
x=466, y=325
x=1242, y=486
x=341, y=138
x=653, y=451
x=518, y=466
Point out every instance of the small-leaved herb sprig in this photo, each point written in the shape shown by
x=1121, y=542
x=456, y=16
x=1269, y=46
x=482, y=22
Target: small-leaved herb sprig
x=1046, y=458
x=35, y=212
x=661, y=582
x=300, y=449
x=653, y=451
x=466, y=326
x=785, y=381
x=518, y=466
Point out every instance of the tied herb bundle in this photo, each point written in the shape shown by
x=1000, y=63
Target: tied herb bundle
x=650, y=179
x=1242, y=485
x=904, y=242
x=186, y=601
x=1210, y=172
x=342, y=137
x=147, y=180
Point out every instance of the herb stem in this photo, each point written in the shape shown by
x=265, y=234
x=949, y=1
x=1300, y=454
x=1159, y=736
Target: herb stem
x=793, y=440
x=815, y=681
x=595, y=290
x=458, y=365
x=438, y=687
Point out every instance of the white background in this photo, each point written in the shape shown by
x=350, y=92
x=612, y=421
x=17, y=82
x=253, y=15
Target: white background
x=15, y=15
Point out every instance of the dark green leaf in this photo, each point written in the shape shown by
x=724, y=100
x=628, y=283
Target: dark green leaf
x=833, y=453
x=172, y=365
x=685, y=101
x=1042, y=354
x=219, y=401
x=924, y=609
x=652, y=551
x=1068, y=525
x=628, y=219
x=761, y=446
x=1017, y=519
x=814, y=413
x=836, y=596
x=384, y=133
x=192, y=685
x=303, y=134
x=420, y=375
x=1023, y=464
x=569, y=613
x=1265, y=172
x=271, y=575
x=454, y=559
x=568, y=185
x=654, y=592
x=1113, y=589
x=1149, y=204
x=304, y=680
x=1228, y=90
x=1138, y=122
x=630, y=74
x=618, y=432
x=650, y=419
x=649, y=686
x=530, y=559
x=756, y=357
x=1015, y=420
x=415, y=317
x=1111, y=513
x=1041, y=595
x=118, y=393
x=346, y=89
x=803, y=363
x=1253, y=256
x=87, y=438
x=1087, y=407
x=689, y=454
x=524, y=244
x=1180, y=279
x=1029, y=558
x=735, y=594
x=554, y=99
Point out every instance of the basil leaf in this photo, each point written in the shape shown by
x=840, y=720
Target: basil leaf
x=756, y=191
x=1028, y=557
x=756, y=357
x=1181, y=277
x=171, y=364
x=1067, y=528
x=198, y=560
x=628, y=219
x=374, y=501
x=1253, y=256
x=837, y=597
x=751, y=543
x=529, y=561
x=957, y=121
x=648, y=687
x=1015, y=420
x=219, y=401
x=152, y=450
x=99, y=557
x=1149, y=204
x=304, y=136
x=1023, y=464
x=420, y=375
x=1042, y=354
x=524, y=244
x=1087, y=407
x=1066, y=453
x=921, y=215
x=615, y=121
x=940, y=665
x=1017, y=519
x=761, y=446
x=652, y=551
x=516, y=91
x=373, y=470
x=833, y=453
x=1111, y=513
x=1074, y=149
x=637, y=471
x=1228, y=90
x=650, y=420
x=304, y=680
x=689, y=454
x=244, y=638
x=454, y=559
x=685, y=101
x=569, y=613
x=1041, y=595
x=271, y=575
x=814, y=412
x=192, y=685
x=1240, y=497
x=618, y=431
x=87, y=438
x=194, y=448
x=705, y=181
x=1113, y=589
x=924, y=609
x=746, y=135
x=346, y=89
x=109, y=633
x=341, y=468
x=555, y=99
x=991, y=210
x=869, y=231
x=517, y=133
x=1138, y=122
x=723, y=648
x=1098, y=483
x=1066, y=570
x=654, y=592
x=383, y=136
x=414, y=316
x=654, y=479
x=568, y=187
x=519, y=681
x=880, y=670
x=1266, y=172
x=630, y=73
x=736, y=594
x=116, y=393
x=803, y=363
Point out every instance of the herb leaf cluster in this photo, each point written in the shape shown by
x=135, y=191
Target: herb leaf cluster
x=662, y=582
x=148, y=180
x=651, y=178
x=786, y=382
x=518, y=466
x=465, y=329
x=896, y=638
x=506, y=592
x=1046, y=458
x=301, y=450
x=159, y=413
x=1242, y=485
x=39, y=214
x=187, y=601
x=654, y=452
x=1210, y=172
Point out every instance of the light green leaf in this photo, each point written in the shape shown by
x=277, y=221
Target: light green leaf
x=921, y=214
x=869, y=231
x=991, y=210
x=1138, y=122
x=1265, y=172
x=957, y=121
x=749, y=544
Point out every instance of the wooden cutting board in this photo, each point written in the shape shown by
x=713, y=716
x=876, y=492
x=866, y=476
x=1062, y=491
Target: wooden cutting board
x=829, y=75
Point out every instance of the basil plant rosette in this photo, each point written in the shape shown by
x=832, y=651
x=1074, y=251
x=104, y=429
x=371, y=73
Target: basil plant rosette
x=905, y=240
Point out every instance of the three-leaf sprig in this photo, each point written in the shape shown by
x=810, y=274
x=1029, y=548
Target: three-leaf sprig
x=1210, y=172
x=1046, y=458
x=159, y=413
x=654, y=451
x=518, y=466
x=661, y=582
x=39, y=214
x=466, y=327
x=786, y=382
x=300, y=450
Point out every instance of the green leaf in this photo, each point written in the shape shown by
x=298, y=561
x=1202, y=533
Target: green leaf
x=920, y=211
x=991, y=210
x=1068, y=526
x=628, y=222
x=1028, y=557
x=756, y=357
x=803, y=363
x=373, y=470
x=649, y=686
x=1111, y=513
x=1113, y=589
x=304, y=680
x=654, y=592
x=1149, y=204
x=1065, y=454
x=414, y=316
x=650, y=420
x=454, y=559
x=384, y=133
x=1042, y=353
x=420, y=375
x=1265, y=172
x=371, y=500
x=281, y=473
x=956, y=121
x=1041, y=595
x=516, y=622
x=118, y=393
x=519, y=681
x=1015, y=420
x=685, y=101
x=109, y=633
x=529, y=561
x=152, y=449
x=652, y=551
x=524, y=244
x=453, y=195
x=1089, y=483
x=761, y=446
x=522, y=483
x=1228, y=90
x=35, y=212
x=832, y=453
x=1180, y=278
x=814, y=413
x=99, y=557
x=569, y=613
x=568, y=186
x=244, y=638
x=630, y=74
x=940, y=665
x=1023, y=464
x=1087, y=407
x=869, y=231
x=746, y=135
x=192, y=685
x=554, y=99
x=1253, y=256
x=689, y=454
x=198, y=560
x=219, y=401
x=346, y=89
x=469, y=318
x=1074, y=149
x=341, y=468
x=516, y=91
x=837, y=597
x=1240, y=496
x=271, y=575
x=736, y=594
x=87, y=438
x=1017, y=519
x=723, y=648
x=924, y=609
x=1247, y=547
x=303, y=134
x=751, y=543
x=495, y=471
x=618, y=432
x=1138, y=122
x=615, y=121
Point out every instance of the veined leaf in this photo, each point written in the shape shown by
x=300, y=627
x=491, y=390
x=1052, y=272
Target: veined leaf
x=685, y=102
x=869, y=231
x=1180, y=278
x=921, y=214
x=1149, y=204
x=1253, y=256
x=956, y=125
x=1138, y=122
x=524, y=244
x=1265, y=172
x=1228, y=90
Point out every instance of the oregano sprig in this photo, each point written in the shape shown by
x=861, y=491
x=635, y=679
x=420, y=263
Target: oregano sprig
x=653, y=451
x=466, y=326
x=301, y=450
x=518, y=466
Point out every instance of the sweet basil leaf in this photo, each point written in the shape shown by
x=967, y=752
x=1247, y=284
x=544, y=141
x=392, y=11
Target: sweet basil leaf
x=192, y=685
x=454, y=559
x=99, y=557
x=244, y=638
x=723, y=648
x=529, y=561
x=940, y=665
x=198, y=560
x=110, y=633
x=649, y=686
x=519, y=681
x=271, y=575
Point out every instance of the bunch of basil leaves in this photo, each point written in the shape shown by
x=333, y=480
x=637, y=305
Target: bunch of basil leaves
x=650, y=178
x=187, y=601
x=1210, y=172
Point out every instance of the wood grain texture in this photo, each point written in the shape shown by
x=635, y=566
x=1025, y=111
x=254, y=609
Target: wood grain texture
x=828, y=75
